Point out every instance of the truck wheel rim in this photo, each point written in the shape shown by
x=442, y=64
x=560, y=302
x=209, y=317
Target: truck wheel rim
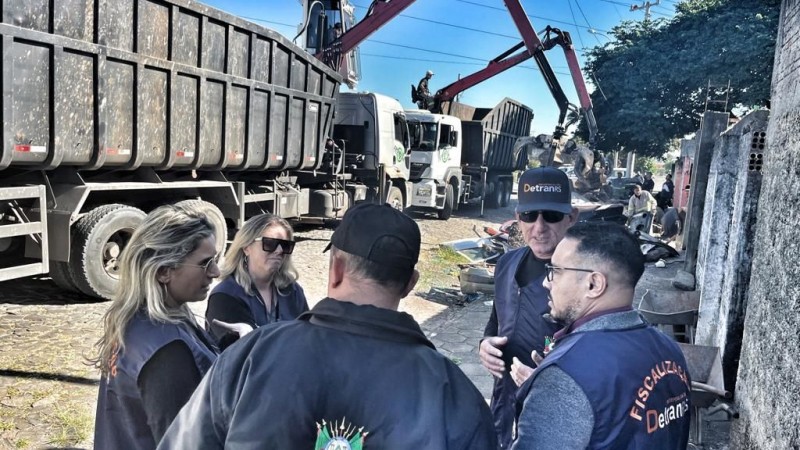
x=112, y=250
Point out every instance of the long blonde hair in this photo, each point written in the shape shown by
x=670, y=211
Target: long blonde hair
x=235, y=264
x=164, y=240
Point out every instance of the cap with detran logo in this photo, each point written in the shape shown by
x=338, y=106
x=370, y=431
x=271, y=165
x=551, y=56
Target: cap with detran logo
x=544, y=189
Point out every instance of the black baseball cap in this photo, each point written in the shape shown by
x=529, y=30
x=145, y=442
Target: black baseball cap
x=544, y=189
x=378, y=233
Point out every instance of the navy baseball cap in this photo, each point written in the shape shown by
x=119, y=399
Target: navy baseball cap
x=544, y=189
x=378, y=233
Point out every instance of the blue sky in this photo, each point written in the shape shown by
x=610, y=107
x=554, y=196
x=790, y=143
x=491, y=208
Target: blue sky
x=459, y=37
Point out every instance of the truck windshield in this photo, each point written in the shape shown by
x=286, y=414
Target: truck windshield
x=423, y=135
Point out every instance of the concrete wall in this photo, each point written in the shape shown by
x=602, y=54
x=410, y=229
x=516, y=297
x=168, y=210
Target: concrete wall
x=711, y=127
x=725, y=248
x=768, y=388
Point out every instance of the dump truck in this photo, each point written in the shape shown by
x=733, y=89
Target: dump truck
x=111, y=109
x=469, y=156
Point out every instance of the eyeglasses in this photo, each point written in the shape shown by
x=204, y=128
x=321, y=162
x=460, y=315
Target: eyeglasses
x=548, y=216
x=269, y=245
x=551, y=268
x=206, y=266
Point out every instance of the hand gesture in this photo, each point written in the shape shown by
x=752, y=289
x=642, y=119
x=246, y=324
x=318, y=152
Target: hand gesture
x=491, y=355
x=239, y=328
x=520, y=372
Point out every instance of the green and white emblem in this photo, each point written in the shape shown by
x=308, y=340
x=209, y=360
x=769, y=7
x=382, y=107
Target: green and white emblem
x=399, y=153
x=444, y=155
x=339, y=436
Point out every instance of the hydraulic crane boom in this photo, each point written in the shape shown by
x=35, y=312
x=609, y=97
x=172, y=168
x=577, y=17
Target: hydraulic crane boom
x=534, y=48
x=331, y=45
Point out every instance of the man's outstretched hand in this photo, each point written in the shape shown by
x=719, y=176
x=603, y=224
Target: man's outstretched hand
x=520, y=372
x=239, y=328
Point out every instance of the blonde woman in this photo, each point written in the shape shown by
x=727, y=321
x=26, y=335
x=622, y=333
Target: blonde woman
x=259, y=283
x=153, y=354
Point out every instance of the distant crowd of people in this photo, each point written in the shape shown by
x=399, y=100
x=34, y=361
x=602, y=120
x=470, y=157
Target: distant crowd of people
x=574, y=365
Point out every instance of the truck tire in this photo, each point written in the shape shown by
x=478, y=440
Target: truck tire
x=61, y=276
x=214, y=216
x=496, y=197
x=98, y=239
x=447, y=211
x=506, y=194
x=395, y=198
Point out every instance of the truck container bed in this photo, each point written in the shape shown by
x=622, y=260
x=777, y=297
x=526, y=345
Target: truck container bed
x=166, y=84
x=489, y=134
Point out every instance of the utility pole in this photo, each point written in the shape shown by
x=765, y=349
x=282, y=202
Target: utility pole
x=646, y=7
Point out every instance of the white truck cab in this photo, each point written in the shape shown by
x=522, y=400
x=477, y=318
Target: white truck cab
x=435, y=161
x=372, y=131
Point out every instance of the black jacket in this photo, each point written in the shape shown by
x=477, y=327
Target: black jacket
x=371, y=370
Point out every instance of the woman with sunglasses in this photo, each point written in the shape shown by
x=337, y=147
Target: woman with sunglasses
x=259, y=283
x=153, y=354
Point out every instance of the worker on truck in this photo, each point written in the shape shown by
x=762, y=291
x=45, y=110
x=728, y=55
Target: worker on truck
x=424, y=97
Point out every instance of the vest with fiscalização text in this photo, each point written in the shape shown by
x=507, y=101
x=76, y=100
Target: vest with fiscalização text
x=637, y=382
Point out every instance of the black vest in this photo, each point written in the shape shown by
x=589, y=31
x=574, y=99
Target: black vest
x=519, y=317
x=121, y=422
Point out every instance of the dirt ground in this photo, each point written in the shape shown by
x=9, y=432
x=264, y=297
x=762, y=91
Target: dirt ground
x=48, y=391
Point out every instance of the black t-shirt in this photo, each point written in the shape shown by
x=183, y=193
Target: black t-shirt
x=530, y=269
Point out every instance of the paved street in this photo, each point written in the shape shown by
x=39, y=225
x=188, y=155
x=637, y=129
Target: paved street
x=48, y=391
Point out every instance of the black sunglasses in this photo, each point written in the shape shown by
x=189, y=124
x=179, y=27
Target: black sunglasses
x=548, y=216
x=271, y=244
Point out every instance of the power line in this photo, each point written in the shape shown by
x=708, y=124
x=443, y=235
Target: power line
x=404, y=58
x=255, y=19
x=460, y=27
x=482, y=60
x=577, y=3
x=580, y=38
x=529, y=15
x=616, y=3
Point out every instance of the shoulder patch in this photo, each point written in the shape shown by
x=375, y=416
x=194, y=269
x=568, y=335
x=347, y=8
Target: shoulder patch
x=339, y=436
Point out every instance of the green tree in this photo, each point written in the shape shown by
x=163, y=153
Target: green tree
x=654, y=74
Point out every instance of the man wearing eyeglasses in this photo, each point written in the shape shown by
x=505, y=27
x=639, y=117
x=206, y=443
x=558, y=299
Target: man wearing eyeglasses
x=517, y=326
x=611, y=380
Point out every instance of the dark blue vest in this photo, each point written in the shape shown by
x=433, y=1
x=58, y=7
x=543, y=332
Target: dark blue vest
x=290, y=303
x=121, y=421
x=519, y=316
x=635, y=380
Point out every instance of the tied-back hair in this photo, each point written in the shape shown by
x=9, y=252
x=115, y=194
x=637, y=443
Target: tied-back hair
x=610, y=243
x=391, y=278
x=235, y=264
x=166, y=237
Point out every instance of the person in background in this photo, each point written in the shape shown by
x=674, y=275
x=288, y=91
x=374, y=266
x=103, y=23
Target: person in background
x=672, y=224
x=334, y=33
x=611, y=381
x=424, y=92
x=648, y=184
x=259, y=283
x=667, y=192
x=351, y=373
x=517, y=325
x=640, y=202
x=152, y=353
